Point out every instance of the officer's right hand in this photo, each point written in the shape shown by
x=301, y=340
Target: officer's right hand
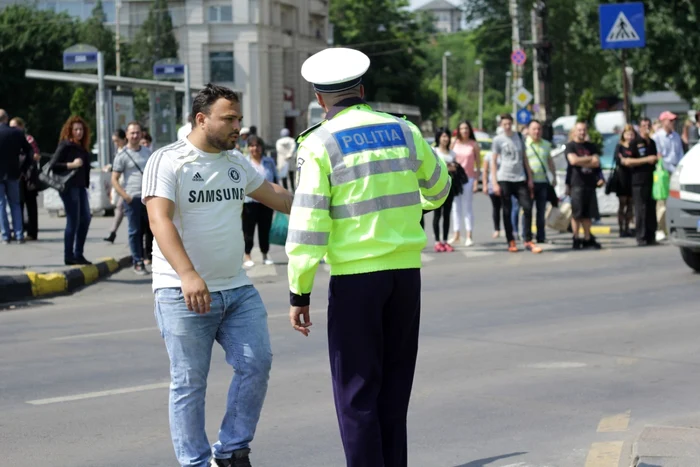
x=196, y=293
x=295, y=315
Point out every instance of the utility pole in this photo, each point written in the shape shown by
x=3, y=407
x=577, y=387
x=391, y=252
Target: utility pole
x=625, y=87
x=508, y=87
x=481, y=94
x=534, y=22
x=445, y=114
x=117, y=45
x=517, y=74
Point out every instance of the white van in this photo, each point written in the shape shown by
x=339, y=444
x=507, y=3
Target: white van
x=683, y=208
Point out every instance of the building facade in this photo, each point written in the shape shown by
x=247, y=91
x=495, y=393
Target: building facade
x=256, y=47
x=446, y=16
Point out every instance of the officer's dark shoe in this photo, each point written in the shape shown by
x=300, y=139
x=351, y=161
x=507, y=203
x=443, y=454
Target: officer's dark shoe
x=240, y=458
x=592, y=244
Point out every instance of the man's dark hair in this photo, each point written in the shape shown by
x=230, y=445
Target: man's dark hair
x=134, y=122
x=534, y=120
x=119, y=133
x=147, y=136
x=253, y=130
x=507, y=117
x=210, y=94
x=645, y=119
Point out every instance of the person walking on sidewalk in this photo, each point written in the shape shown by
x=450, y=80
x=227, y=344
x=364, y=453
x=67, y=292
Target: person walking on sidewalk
x=29, y=183
x=467, y=152
x=670, y=148
x=72, y=157
x=254, y=212
x=364, y=178
x=584, y=165
x=625, y=150
x=539, y=157
x=12, y=145
x=194, y=191
x=130, y=162
x=119, y=140
x=513, y=177
x=442, y=149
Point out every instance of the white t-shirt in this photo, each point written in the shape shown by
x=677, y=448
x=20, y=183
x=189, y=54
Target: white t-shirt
x=208, y=191
x=184, y=130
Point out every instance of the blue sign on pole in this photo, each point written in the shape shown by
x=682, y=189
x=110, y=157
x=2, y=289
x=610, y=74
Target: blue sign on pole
x=622, y=25
x=176, y=70
x=523, y=116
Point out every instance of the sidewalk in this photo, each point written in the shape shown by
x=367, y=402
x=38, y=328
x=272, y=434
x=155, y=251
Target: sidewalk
x=36, y=268
x=676, y=444
x=46, y=254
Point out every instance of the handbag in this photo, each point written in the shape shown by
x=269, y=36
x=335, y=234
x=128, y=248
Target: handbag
x=559, y=218
x=662, y=182
x=49, y=179
x=279, y=228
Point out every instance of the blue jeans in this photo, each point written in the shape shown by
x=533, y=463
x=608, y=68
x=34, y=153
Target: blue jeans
x=541, y=191
x=515, y=215
x=9, y=193
x=238, y=322
x=134, y=213
x=78, y=216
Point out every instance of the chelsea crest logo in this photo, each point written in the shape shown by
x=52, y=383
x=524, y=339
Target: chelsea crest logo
x=234, y=175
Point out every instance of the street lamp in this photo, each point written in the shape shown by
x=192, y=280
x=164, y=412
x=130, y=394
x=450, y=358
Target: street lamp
x=508, y=75
x=444, y=87
x=481, y=93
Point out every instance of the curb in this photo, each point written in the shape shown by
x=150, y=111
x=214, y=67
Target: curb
x=31, y=284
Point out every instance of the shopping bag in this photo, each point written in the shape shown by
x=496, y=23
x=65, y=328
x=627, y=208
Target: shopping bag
x=662, y=182
x=278, y=231
x=559, y=218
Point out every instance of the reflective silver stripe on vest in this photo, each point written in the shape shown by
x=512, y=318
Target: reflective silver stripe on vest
x=442, y=194
x=348, y=174
x=307, y=237
x=332, y=147
x=375, y=204
x=303, y=200
x=428, y=184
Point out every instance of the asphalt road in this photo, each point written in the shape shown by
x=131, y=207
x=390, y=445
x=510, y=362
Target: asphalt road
x=553, y=360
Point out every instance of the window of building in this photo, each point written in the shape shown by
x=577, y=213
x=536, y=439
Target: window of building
x=220, y=14
x=253, y=11
x=221, y=67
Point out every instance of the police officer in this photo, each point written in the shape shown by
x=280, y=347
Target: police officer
x=364, y=178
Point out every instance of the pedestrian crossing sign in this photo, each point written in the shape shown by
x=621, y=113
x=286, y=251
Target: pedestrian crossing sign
x=622, y=25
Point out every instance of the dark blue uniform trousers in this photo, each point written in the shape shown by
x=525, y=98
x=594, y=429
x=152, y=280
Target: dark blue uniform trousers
x=373, y=322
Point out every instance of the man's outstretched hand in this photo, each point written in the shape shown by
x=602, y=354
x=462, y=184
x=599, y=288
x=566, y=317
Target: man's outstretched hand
x=300, y=319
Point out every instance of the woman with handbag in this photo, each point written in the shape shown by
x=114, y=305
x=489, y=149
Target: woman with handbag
x=622, y=182
x=71, y=162
x=467, y=152
x=459, y=180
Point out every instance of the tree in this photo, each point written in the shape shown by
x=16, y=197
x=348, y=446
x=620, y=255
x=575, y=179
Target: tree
x=153, y=41
x=32, y=38
x=93, y=32
x=83, y=104
x=391, y=36
x=586, y=113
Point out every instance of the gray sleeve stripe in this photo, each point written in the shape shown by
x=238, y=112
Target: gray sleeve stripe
x=303, y=200
x=307, y=237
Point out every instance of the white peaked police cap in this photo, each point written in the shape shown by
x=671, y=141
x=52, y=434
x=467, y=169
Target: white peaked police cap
x=335, y=69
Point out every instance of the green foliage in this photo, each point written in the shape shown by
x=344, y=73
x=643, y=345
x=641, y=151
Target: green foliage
x=153, y=41
x=30, y=38
x=586, y=113
x=83, y=104
x=93, y=32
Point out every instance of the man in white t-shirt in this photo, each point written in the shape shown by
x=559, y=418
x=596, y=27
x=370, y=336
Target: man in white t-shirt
x=185, y=129
x=194, y=191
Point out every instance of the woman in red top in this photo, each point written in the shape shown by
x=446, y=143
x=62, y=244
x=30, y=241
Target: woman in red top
x=467, y=152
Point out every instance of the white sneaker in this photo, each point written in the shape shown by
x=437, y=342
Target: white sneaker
x=660, y=236
x=469, y=242
x=248, y=264
x=268, y=262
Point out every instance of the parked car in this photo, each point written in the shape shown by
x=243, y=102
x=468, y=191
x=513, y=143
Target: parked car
x=683, y=208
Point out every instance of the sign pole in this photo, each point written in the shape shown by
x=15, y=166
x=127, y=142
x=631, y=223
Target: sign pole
x=625, y=86
x=187, y=100
x=102, y=139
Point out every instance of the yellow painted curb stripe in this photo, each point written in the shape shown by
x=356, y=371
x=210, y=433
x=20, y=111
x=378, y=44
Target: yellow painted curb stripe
x=615, y=423
x=90, y=273
x=604, y=454
x=595, y=230
x=112, y=264
x=48, y=283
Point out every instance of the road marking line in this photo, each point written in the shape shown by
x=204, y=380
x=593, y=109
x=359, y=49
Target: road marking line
x=263, y=270
x=626, y=360
x=476, y=253
x=103, y=334
x=614, y=423
x=426, y=258
x=92, y=395
x=604, y=454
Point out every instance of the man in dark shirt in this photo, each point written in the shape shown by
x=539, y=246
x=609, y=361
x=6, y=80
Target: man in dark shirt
x=12, y=143
x=584, y=164
x=642, y=169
